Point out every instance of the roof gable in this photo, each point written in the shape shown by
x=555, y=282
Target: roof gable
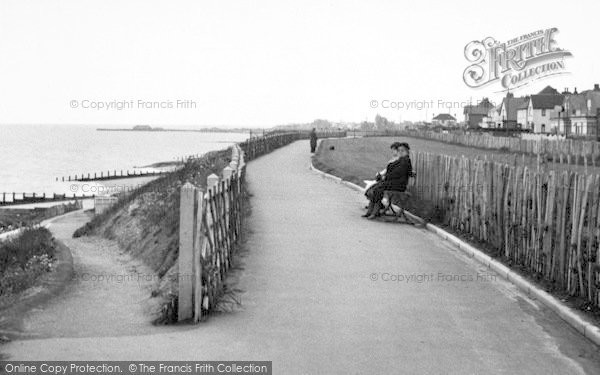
x=444, y=116
x=548, y=90
x=546, y=101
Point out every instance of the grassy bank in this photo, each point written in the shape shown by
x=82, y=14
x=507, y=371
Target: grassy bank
x=575, y=150
x=23, y=258
x=495, y=210
x=365, y=147
x=145, y=223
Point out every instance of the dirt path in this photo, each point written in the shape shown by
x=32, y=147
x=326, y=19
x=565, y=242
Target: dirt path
x=109, y=294
x=323, y=295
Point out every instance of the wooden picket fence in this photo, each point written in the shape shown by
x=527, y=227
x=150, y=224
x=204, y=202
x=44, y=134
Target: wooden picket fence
x=255, y=147
x=543, y=221
x=570, y=150
x=210, y=227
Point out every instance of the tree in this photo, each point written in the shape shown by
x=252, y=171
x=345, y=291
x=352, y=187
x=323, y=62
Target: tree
x=382, y=123
x=321, y=124
x=367, y=126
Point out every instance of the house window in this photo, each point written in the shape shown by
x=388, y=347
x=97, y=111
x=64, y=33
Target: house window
x=543, y=111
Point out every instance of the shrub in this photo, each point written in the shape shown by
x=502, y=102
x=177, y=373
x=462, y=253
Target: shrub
x=20, y=249
x=25, y=257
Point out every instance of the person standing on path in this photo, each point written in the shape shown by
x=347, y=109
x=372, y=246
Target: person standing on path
x=313, y=140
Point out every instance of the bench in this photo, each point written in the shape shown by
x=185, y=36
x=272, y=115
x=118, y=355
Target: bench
x=395, y=202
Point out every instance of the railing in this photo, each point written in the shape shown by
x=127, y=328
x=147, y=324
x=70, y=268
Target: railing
x=210, y=227
x=255, y=147
x=545, y=222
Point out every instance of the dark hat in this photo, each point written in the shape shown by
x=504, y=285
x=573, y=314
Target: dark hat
x=397, y=145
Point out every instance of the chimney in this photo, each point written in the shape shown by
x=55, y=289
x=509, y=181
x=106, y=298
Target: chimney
x=596, y=87
x=575, y=91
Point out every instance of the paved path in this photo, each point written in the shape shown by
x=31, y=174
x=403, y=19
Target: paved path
x=312, y=305
x=109, y=294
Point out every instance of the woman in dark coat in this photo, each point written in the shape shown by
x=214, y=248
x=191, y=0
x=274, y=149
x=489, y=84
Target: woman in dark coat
x=313, y=140
x=395, y=177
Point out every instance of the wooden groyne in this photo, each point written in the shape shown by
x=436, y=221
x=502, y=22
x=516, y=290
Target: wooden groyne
x=108, y=176
x=9, y=199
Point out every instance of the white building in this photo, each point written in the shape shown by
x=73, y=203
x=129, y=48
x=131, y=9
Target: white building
x=539, y=109
x=445, y=120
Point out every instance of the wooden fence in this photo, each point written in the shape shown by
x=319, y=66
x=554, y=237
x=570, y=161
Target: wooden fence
x=210, y=227
x=545, y=222
x=255, y=147
x=573, y=151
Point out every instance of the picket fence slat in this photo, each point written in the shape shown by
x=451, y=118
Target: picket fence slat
x=210, y=228
x=543, y=221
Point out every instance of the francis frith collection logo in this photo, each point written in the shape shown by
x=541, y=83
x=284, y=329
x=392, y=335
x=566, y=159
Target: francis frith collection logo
x=516, y=62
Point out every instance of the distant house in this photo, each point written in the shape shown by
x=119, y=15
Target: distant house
x=579, y=115
x=474, y=114
x=142, y=127
x=445, y=120
x=540, y=111
x=537, y=111
x=522, y=115
x=492, y=120
x=508, y=111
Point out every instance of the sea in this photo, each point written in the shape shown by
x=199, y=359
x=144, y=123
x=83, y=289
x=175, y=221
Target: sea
x=35, y=158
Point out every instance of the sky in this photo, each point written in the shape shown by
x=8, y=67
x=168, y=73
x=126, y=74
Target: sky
x=264, y=63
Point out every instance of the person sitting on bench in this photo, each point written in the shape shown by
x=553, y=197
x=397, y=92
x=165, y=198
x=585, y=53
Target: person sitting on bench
x=394, y=177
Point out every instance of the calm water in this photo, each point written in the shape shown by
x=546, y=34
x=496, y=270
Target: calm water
x=33, y=156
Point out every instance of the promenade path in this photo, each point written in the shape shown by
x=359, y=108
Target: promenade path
x=319, y=298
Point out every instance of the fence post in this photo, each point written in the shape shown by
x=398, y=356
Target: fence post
x=227, y=176
x=211, y=181
x=198, y=248
x=228, y=171
x=186, y=245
